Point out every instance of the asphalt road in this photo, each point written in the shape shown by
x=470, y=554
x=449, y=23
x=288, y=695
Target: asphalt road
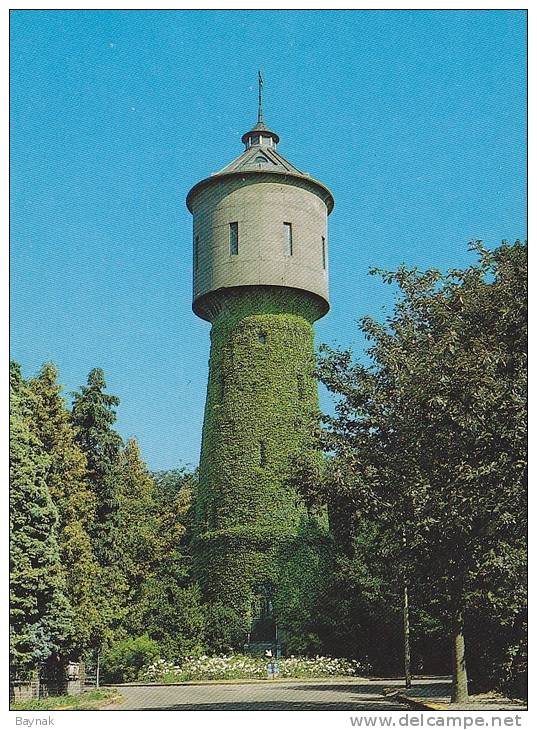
x=316, y=694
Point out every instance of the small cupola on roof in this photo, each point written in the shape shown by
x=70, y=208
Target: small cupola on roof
x=260, y=134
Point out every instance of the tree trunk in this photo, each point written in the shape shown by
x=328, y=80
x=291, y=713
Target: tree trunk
x=459, y=684
x=406, y=621
x=406, y=633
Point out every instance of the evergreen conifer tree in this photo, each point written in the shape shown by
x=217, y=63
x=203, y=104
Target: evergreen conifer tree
x=93, y=416
x=40, y=614
x=66, y=479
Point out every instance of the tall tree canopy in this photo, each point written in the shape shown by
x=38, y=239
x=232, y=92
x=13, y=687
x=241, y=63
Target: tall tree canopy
x=138, y=528
x=66, y=479
x=430, y=435
x=165, y=603
x=40, y=614
x=93, y=416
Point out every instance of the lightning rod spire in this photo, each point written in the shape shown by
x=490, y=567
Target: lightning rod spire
x=260, y=118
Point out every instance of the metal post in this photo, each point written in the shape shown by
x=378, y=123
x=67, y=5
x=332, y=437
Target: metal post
x=98, y=671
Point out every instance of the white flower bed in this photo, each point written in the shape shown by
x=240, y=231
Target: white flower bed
x=239, y=666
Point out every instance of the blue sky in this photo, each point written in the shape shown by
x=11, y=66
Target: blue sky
x=414, y=119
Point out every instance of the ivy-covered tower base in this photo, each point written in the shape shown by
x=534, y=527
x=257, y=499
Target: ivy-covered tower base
x=260, y=278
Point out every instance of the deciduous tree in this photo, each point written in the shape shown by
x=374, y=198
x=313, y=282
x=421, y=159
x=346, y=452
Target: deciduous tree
x=430, y=435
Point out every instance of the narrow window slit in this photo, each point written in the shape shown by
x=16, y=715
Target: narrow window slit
x=234, y=239
x=288, y=239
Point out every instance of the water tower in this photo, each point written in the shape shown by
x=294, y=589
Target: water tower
x=260, y=266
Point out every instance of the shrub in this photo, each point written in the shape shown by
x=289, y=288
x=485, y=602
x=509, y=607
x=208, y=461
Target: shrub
x=225, y=629
x=124, y=660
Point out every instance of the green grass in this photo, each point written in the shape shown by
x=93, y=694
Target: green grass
x=92, y=700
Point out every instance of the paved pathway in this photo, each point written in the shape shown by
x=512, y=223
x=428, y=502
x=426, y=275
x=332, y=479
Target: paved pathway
x=315, y=694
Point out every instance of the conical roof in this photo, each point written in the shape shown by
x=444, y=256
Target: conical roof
x=264, y=160
x=261, y=157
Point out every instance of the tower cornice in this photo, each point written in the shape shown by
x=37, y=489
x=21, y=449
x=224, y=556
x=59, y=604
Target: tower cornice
x=290, y=178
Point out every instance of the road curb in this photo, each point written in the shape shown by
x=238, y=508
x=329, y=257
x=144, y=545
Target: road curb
x=421, y=704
